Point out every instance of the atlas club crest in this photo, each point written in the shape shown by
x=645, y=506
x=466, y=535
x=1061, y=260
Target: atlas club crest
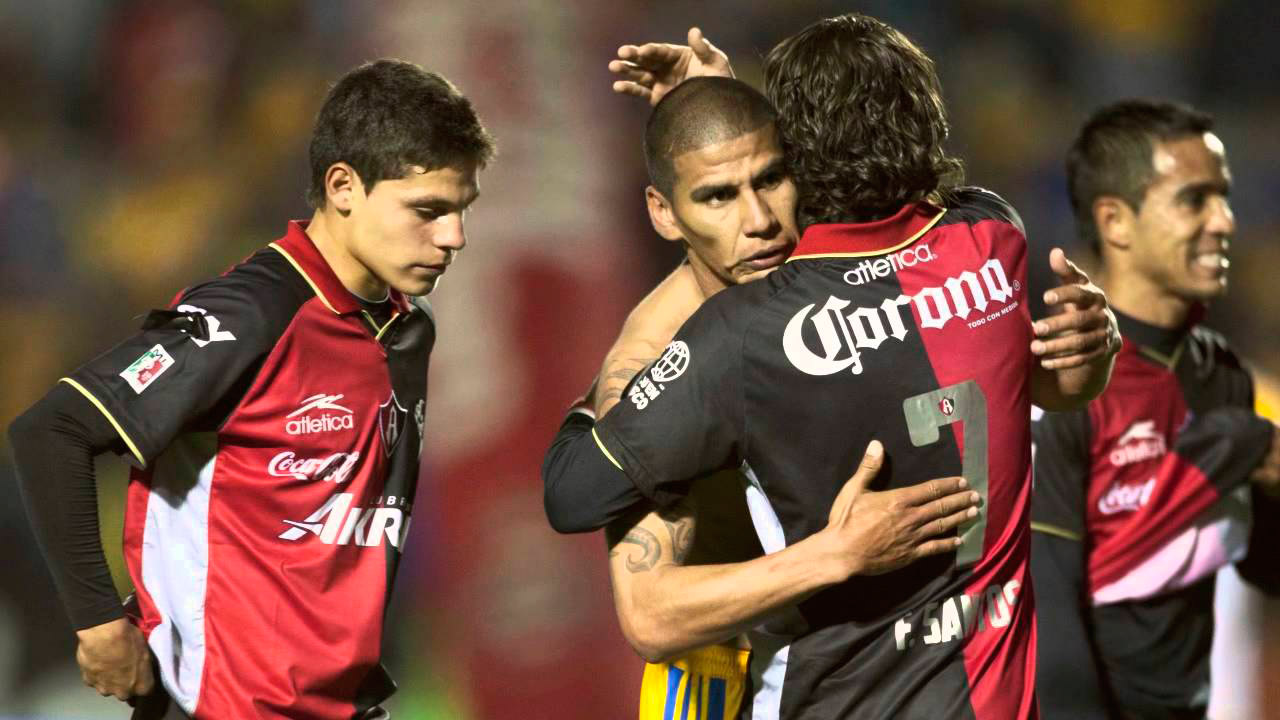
x=391, y=419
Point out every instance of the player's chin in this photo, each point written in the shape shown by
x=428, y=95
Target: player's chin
x=416, y=283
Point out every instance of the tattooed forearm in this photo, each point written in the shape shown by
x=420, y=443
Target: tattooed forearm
x=646, y=553
x=615, y=380
x=681, y=527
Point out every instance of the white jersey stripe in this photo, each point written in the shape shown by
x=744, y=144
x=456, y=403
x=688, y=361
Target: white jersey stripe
x=769, y=650
x=175, y=561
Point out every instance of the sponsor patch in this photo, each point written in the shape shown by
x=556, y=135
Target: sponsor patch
x=147, y=368
x=672, y=364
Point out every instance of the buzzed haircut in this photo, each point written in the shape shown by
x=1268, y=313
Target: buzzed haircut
x=387, y=115
x=1114, y=154
x=699, y=112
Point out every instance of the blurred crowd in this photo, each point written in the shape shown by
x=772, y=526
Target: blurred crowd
x=144, y=146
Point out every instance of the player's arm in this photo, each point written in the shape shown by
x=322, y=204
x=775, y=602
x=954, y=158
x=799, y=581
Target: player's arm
x=54, y=444
x=134, y=399
x=1075, y=346
x=647, y=330
x=1258, y=566
x=1068, y=680
x=666, y=608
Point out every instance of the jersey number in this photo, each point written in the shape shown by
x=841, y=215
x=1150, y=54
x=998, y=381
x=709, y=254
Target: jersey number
x=964, y=403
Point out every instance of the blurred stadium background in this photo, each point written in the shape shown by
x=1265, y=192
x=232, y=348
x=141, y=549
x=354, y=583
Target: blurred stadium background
x=146, y=145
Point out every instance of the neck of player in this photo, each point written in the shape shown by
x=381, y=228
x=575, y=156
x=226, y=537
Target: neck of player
x=333, y=240
x=1142, y=299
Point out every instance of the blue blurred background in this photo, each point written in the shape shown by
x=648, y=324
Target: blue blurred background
x=144, y=146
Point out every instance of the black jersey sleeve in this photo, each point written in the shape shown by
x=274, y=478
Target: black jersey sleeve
x=1060, y=455
x=582, y=490
x=683, y=417
x=177, y=373
x=1067, y=679
x=54, y=443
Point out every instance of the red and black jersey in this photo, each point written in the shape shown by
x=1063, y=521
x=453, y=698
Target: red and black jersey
x=1139, y=499
x=913, y=330
x=277, y=428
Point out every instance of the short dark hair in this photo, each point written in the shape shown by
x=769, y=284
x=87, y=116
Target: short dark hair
x=1114, y=154
x=386, y=115
x=862, y=121
x=698, y=112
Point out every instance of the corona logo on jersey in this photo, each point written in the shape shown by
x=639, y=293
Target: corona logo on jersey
x=842, y=332
x=869, y=270
x=338, y=523
x=342, y=419
x=1142, y=441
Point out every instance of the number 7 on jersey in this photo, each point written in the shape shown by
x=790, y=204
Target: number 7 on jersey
x=964, y=403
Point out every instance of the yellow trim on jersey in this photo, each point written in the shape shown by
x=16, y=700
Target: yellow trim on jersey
x=885, y=251
x=1169, y=361
x=374, y=323
x=1048, y=529
x=706, y=684
x=305, y=276
x=103, y=409
x=605, y=450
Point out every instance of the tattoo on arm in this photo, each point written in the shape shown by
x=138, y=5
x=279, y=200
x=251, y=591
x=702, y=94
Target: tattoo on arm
x=649, y=549
x=615, y=381
x=681, y=527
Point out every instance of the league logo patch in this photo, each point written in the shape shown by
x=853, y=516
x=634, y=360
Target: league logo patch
x=672, y=364
x=420, y=417
x=147, y=368
x=391, y=419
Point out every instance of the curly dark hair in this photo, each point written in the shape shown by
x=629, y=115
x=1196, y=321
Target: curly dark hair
x=386, y=115
x=861, y=117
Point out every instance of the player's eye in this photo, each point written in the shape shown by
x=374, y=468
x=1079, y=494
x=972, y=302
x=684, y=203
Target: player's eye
x=771, y=180
x=428, y=213
x=1194, y=200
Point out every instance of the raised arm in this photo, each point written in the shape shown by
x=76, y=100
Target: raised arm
x=666, y=608
x=1076, y=347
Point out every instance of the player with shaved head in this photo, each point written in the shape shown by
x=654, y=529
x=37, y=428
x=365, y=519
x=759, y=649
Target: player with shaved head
x=687, y=579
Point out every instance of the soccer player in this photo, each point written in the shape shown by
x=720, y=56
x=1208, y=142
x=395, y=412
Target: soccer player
x=720, y=187
x=274, y=417
x=1142, y=496
x=901, y=315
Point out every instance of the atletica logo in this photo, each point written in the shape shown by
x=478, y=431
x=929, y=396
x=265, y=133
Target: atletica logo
x=1126, y=498
x=335, y=468
x=338, y=523
x=869, y=270
x=842, y=332
x=1142, y=441
x=324, y=423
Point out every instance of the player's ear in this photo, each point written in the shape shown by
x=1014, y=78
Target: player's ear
x=1115, y=220
x=661, y=215
x=342, y=186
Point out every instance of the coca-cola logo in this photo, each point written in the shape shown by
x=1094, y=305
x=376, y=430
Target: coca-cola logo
x=335, y=468
x=1126, y=498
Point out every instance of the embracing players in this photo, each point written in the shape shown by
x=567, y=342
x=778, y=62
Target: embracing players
x=720, y=187
x=901, y=315
x=274, y=417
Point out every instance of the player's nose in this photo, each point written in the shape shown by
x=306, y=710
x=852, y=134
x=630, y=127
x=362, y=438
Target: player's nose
x=758, y=218
x=1222, y=221
x=451, y=233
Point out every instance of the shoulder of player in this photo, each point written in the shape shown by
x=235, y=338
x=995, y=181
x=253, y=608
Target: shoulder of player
x=255, y=298
x=1212, y=345
x=667, y=306
x=971, y=204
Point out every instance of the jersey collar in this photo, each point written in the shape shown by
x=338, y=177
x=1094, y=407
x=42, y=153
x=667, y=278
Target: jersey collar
x=302, y=254
x=1163, y=345
x=870, y=238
